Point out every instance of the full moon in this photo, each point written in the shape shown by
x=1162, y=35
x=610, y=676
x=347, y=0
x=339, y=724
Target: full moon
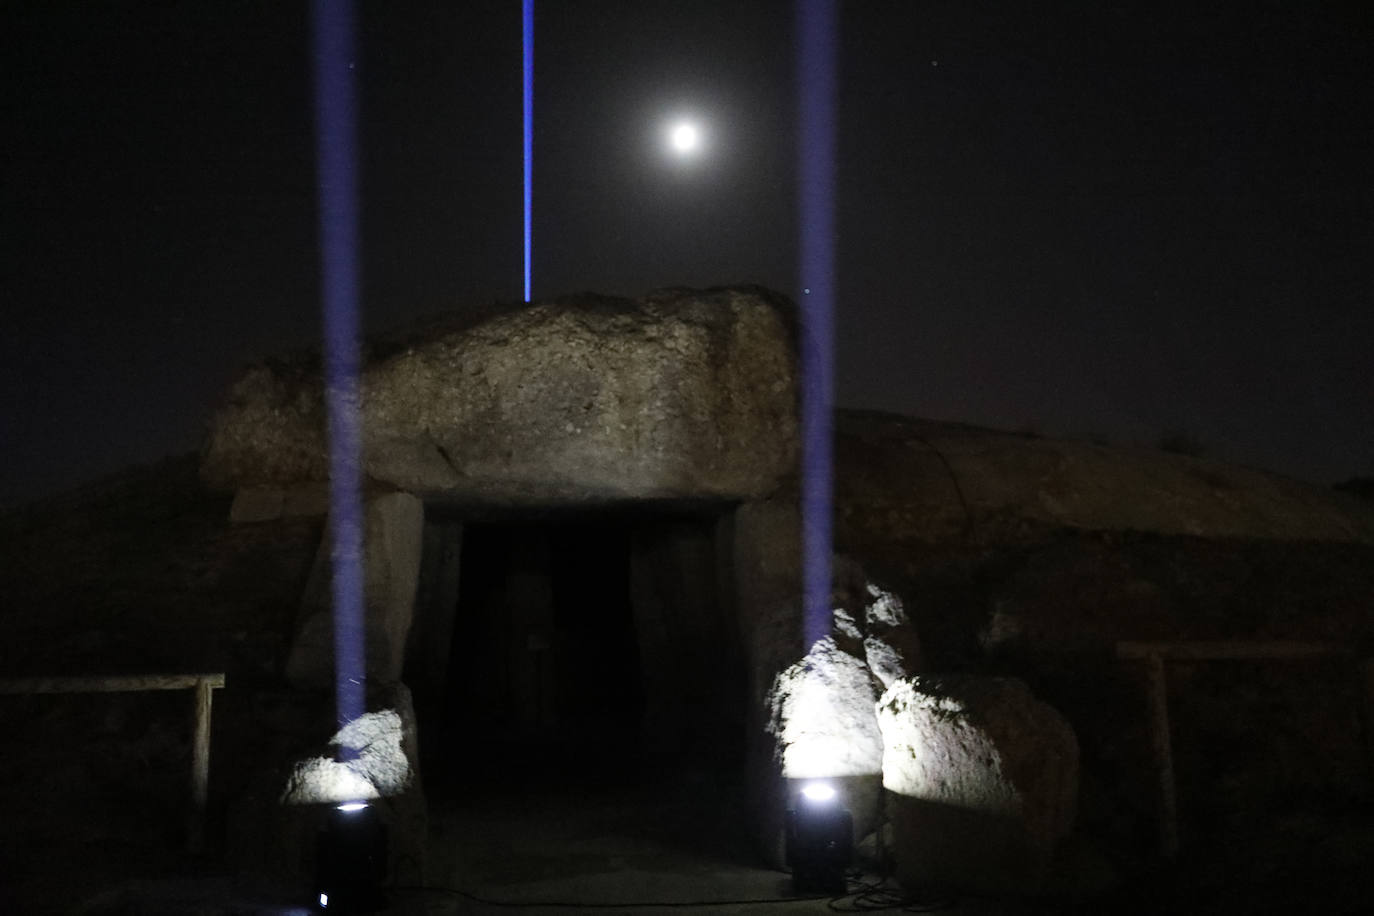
x=684, y=137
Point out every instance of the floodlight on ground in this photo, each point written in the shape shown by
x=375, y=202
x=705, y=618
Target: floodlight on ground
x=820, y=840
x=350, y=860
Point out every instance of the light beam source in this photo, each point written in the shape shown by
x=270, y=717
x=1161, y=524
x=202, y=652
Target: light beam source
x=351, y=860
x=820, y=840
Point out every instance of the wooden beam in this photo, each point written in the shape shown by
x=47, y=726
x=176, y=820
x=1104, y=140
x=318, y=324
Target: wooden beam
x=1231, y=650
x=117, y=684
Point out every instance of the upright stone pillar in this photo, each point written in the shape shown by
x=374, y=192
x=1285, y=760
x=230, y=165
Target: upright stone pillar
x=766, y=536
x=392, y=541
x=530, y=648
x=681, y=633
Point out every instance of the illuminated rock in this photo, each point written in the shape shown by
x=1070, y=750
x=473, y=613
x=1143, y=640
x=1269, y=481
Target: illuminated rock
x=982, y=782
x=679, y=394
x=870, y=622
x=822, y=716
x=823, y=724
x=293, y=780
x=380, y=768
x=820, y=710
x=891, y=646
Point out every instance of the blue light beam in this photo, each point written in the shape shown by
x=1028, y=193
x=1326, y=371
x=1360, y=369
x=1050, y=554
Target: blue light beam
x=336, y=159
x=527, y=12
x=817, y=25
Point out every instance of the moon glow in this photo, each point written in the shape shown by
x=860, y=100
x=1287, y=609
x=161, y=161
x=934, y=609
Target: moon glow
x=684, y=138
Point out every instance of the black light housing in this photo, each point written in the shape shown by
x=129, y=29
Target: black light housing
x=820, y=841
x=350, y=860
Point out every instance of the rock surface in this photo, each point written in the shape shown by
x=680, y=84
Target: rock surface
x=380, y=768
x=902, y=479
x=821, y=710
x=680, y=394
x=982, y=782
x=822, y=716
x=290, y=787
x=393, y=533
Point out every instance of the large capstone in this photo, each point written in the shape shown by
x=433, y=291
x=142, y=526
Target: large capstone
x=680, y=394
x=981, y=782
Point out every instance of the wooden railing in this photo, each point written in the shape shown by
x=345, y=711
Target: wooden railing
x=201, y=684
x=1155, y=654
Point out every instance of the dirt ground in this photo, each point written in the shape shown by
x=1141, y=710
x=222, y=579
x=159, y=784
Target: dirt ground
x=664, y=842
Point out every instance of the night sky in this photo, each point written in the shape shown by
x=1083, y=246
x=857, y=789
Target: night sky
x=1104, y=220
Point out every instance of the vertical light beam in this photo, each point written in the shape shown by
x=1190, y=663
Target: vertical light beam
x=817, y=24
x=528, y=71
x=336, y=161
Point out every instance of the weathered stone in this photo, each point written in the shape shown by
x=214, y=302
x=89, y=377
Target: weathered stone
x=871, y=623
x=274, y=819
x=822, y=720
x=393, y=540
x=265, y=504
x=257, y=504
x=436, y=606
x=982, y=782
x=822, y=716
x=820, y=711
x=306, y=499
x=903, y=479
x=377, y=768
x=765, y=544
x=681, y=394
x=892, y=647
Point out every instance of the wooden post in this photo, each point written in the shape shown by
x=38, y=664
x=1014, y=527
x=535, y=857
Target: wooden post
x=1367, y=670
x=1163, y=753
x=200, y=765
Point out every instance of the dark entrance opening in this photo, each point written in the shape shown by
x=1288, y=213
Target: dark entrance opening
x=544, y=676
x=583, y=727
x=588, y=651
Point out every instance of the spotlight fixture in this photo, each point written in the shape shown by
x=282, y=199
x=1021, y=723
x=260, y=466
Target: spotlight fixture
x=820, y=840
x=350, y=860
